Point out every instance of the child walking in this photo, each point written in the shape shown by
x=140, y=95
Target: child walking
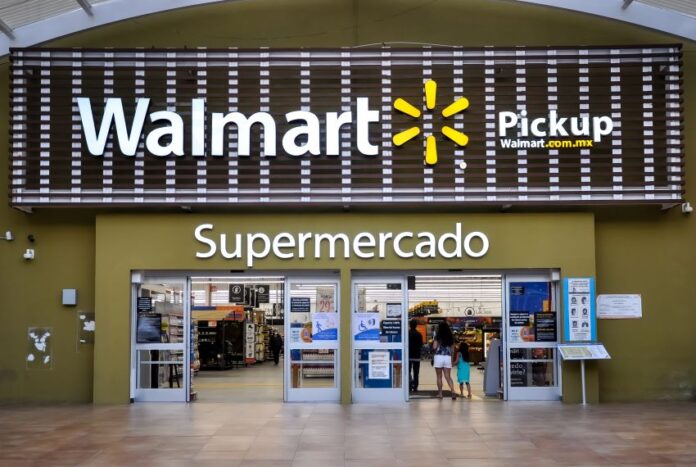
x=462, y=362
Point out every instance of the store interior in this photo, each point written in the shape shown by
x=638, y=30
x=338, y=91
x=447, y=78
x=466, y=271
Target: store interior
x=237, y=321
x=236, y=326
x=472, y=306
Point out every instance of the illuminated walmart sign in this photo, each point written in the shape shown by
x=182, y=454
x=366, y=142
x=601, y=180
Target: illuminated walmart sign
x=168, y=138
x=304, y=137
x=459, y=138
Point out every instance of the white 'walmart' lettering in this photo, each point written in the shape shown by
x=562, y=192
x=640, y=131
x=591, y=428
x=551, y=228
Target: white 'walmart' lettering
x=302, y=138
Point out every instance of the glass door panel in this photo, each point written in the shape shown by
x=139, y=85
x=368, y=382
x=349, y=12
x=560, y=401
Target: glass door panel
x=532, y=331
x=379, y=323
x=160, y=334
x=312, y=336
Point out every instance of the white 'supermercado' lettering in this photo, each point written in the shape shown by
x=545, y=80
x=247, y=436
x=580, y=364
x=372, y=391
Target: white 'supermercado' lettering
x=253, y=246
x=168, y=138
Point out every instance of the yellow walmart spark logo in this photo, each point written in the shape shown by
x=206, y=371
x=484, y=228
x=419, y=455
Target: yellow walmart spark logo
x=459, y=138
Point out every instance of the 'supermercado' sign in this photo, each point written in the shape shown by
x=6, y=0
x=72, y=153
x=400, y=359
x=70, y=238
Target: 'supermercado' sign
x=346, y=126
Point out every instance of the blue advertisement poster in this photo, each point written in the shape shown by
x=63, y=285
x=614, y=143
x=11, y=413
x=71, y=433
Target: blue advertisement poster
x=366, y=326
x=532, y=297
x=531, y=318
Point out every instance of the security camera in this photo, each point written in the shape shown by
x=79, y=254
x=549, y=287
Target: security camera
x=29, y=254
x=686, y=208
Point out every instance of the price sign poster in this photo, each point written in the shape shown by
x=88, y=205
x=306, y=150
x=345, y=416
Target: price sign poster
x=325, y=299
x=579, y=315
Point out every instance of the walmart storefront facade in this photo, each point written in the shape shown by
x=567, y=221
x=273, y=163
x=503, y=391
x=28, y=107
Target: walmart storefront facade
x=334, y=143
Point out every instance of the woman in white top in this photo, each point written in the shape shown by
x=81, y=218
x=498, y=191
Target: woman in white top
x=442, y=345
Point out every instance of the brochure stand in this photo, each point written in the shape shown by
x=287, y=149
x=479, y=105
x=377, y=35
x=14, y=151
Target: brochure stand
x=582, y=352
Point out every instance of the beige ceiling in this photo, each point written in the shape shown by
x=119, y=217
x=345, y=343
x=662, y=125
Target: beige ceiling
x=29, y=22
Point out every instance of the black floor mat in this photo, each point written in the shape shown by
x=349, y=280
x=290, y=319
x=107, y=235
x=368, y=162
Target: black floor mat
x=428, y=394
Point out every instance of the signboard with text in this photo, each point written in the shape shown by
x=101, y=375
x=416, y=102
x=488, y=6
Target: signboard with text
x=580, y=320
x=227, y=127
x=626, y=306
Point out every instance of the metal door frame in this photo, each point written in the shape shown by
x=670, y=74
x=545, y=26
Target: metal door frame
x=552, y=393
x=380, y=394
x=161, y=394
x=311, y=394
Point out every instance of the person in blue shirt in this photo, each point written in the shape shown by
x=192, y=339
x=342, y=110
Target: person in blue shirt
x=462, y=362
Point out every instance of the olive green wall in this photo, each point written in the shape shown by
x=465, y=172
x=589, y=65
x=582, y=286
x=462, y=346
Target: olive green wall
x=31, y=294
x=166, y=242
x=637, y=250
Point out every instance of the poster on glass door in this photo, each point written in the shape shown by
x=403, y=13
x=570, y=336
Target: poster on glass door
x=580, y=320
x=366, y=326
x=378, y=365
x=325, y=299
x=324, y=326
x=530, y=305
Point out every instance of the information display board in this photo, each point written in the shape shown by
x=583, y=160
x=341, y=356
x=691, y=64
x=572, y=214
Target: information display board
x=594, y=351
x=300, y=305
x=582, y=352
x=236, y=293
x=144, y=304
x=580, y=319
x=626, y=306
x=378, y=365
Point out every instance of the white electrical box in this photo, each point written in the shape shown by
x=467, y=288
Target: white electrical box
x=69, y=297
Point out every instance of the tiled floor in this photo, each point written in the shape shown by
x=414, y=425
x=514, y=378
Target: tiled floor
x=264, y=382
x=256, y=383
x=424, y=433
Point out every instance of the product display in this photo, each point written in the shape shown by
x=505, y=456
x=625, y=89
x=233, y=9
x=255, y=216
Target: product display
x=194, y=359
x=473, y=337
x=311, y=364
x=220, y=344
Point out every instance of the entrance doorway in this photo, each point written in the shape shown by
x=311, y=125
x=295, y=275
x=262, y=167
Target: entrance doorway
x=211, y=337
x=378, y=325
x=312, y=327
x=236, y=335
x=508, y=323
x=532, y=324
x=472, y=305
x=159, y=335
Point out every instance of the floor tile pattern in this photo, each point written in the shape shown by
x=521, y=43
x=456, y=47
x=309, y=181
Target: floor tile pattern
x=425, y=433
